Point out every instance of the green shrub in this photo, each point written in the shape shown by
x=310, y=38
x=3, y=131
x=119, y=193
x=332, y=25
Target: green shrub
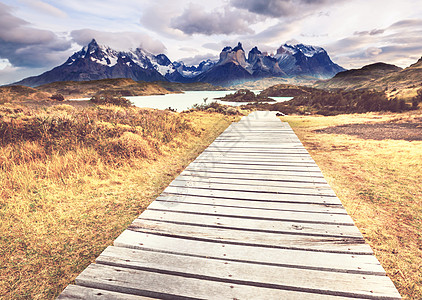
x=57, y=97
x=111, y=99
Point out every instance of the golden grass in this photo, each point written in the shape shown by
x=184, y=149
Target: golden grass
x=380, y=185
x=71, y=180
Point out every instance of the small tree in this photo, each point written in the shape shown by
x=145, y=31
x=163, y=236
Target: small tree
x=416, y=100
x=111, y=99
x=57, y=97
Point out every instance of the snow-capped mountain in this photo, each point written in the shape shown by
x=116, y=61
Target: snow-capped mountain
x=306, y=60
x=289, y=61
x=232, y=67
x=95, y=61
x=100, y=62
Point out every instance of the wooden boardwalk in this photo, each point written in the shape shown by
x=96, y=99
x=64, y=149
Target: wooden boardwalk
x=251, y=218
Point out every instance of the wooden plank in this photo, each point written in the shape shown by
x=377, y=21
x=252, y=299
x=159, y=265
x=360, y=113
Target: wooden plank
x=258, y=172
x=264, y=148
x=247, y=176
x=279, y=163
x=258, y=214
x=287, y=198
x=248, y=158
x=75, y=292
x=166, y=286
x=172, y=200
x=321, y=282
x=255, y=182
x=330, y=244
x=252, y=225
x=258, y=155
x=282, y=189
x=265, y=167
x=274, y=153
x=333, y=262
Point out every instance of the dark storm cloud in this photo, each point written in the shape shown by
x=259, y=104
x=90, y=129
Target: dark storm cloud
x=277, y=8
x=195, y=20
x=25, y=46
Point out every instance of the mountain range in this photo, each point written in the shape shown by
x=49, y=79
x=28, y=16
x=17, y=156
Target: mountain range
x=95, y=62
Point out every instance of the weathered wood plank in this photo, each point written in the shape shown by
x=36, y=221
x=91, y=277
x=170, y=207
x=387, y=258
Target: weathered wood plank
x=172, y=200
x=256, y=172
x=251, y=159
x=254, y=182
x=252, y=225
x=256, y=162
x=166, y=286
x=250, y=195
x=76, y=292
x=257, y=176
x=334, y=262
x=330, y=244
x=183, y=182
x=286, y=167
x=249, y=213
x=274, y=153
x=334, y=283
x=255, y=156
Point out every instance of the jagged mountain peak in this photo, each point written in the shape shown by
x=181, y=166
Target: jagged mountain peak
x=95, y=61
x=93, y=45
x=307, y=50
x=238, y=47
x=235, y=49
x=255, y=50
x=234, y=55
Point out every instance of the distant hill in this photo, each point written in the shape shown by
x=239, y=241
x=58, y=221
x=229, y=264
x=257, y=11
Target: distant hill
x=192, y=86
x=404, y=83
x=286, y=90
x=21, y=93
x=363, y=78
x=395, y=81
x=119, y=86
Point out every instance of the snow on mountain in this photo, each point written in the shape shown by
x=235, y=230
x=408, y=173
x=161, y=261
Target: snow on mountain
x=99, y=62
x=306, y=60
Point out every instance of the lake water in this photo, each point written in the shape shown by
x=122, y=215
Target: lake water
x=186, y=100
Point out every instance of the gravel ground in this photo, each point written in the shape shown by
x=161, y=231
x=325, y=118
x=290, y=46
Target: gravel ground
x=409, y=131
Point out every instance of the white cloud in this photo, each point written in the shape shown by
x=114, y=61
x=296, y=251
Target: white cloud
x=225, y=21
x=197, y=59
x=25, y=46
x=45, y=8
x=119, y=40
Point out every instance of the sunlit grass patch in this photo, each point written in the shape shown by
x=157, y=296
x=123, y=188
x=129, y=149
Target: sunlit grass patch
x=379, y=183
x=72, y=179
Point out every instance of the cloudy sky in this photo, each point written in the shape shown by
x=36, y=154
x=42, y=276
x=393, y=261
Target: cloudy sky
x=36, y=35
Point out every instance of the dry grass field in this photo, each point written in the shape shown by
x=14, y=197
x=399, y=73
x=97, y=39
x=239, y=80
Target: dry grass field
x=377, y=176
x=72, y=179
